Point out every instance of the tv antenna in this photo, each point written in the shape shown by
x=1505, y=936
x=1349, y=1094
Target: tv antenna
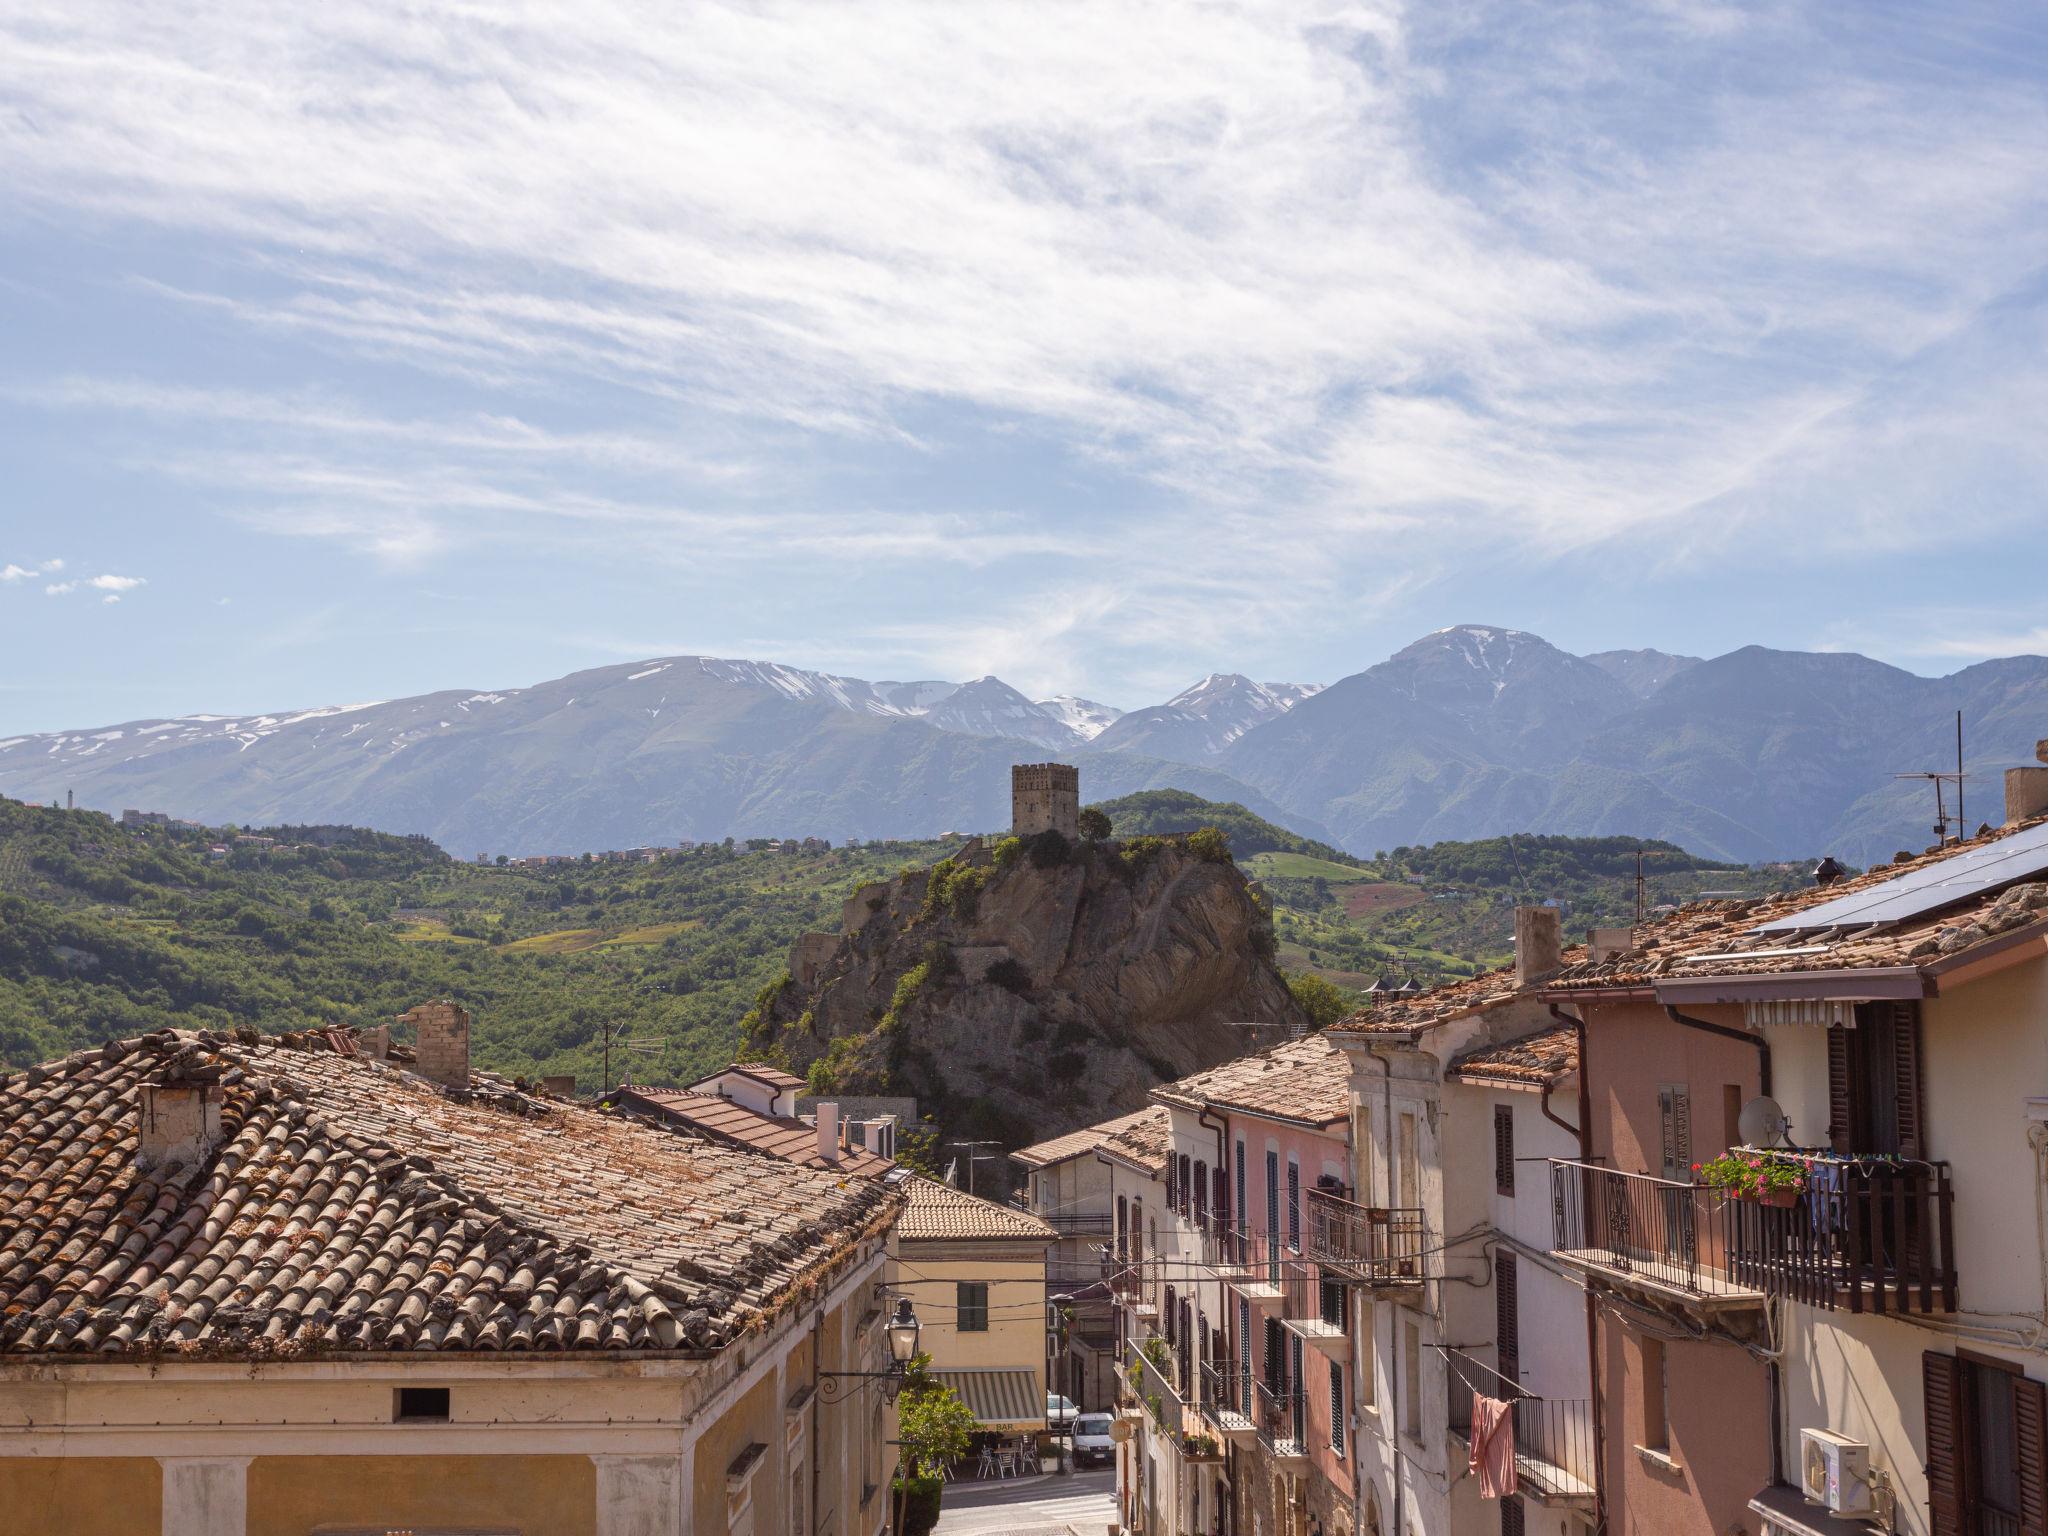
x=975, y=1155
x=1939, y=778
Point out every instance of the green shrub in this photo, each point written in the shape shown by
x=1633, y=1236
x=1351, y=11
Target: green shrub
x=1049, y=850
x=1323, y=1002
x=1209, y=845
x=1094, y=825
x=1008, y=851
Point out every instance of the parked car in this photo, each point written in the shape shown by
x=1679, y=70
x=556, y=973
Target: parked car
x=1060, y=1412
x=1092, y=1443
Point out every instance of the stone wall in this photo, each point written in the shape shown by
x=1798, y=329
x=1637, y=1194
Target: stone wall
x=1045, y=797
x=441, y=1042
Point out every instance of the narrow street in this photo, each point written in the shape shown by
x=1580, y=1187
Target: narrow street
x=1083, y=1503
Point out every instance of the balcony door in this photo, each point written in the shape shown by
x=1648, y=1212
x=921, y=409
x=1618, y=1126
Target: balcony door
x=1874, y=1092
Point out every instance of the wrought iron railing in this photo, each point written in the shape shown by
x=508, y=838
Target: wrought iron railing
x=1665, y=1232
x=1281, y=1417
x=1377, y=1244
x=1312, y=1296
x=1225, y=1389
x=1874, y=1230
x=1554, y=1442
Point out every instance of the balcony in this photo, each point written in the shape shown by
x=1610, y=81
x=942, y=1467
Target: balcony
x=1871, y=1232
x=1658, y=1236
x=1280, y=1418
x=1151, y=1382
x=1076, y=1223
x=1554, y=1457
x=1250, y=1263
x=1364, y=1244
x=1226, y=1402
x=1316, y=1307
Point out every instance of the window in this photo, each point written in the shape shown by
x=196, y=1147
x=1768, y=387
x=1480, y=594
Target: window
x=1411, y=1173
x=419, y=1405
x=1874, y=1093
x=1504, y=1149
x=1185, y=1181
x=1654, y=1379
x=1272, y=1194
x=1123, y=1228
x=1172, y=1186
x=1411, y=1376
x=1294, y=1205
x=970, y=1302
x=1367, y=1149
x=1201, y=1190
x=1368, y=1354
x=1337, y=1407
x=1674, y=1110
x=1511, y=1523
x=1507, y=1314
x=1987, y=1445
x=1240, y=1206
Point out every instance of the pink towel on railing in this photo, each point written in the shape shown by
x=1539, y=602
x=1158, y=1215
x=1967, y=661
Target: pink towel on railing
x=1493, y=1446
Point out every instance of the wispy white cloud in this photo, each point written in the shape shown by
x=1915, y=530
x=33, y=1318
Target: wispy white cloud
x=112, y=586
x=1343, y=287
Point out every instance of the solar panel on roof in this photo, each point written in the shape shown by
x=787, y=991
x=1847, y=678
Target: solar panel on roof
x=1921, y=891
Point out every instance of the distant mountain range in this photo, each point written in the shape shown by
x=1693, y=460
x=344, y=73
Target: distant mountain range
x=1470, y=732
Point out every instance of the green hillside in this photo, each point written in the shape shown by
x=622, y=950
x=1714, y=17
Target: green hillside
x=107, y=931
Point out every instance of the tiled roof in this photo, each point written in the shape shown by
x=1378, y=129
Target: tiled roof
x=938, y=1211
x=735, y=1125
x=1541, y=1058
x=1305, y=1080
x=1716, y=938
x=1402, y=1013
x=759, y=1071
x=1075, y=1143
x=1143, y=1140
x=349, y=1206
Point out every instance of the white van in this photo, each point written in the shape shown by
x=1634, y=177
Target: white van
x=1092, y=1443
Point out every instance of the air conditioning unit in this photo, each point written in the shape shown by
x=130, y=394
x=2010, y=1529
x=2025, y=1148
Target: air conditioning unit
x=1835, y=1472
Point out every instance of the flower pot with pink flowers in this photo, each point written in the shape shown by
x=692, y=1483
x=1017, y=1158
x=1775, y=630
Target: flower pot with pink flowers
x=1767, y=1178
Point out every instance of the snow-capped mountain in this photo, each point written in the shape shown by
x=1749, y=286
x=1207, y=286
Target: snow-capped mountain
x=1202, y=720
x=1472, y=731
x=1084, y=717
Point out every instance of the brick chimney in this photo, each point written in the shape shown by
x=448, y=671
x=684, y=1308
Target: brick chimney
x=828, y=1132
x=1538, y=949
x=441, y=1049
x=2026, y=789
x=180, y=1123
x=1610, y=941
x=375, y=1042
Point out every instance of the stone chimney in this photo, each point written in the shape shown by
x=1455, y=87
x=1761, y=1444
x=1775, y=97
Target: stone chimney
x=375, y=1042
x=1607, y=942
x=2026, y=789
x=828, y=1132
x=441, y=1051
x=1538, y=949
x=180, y=1123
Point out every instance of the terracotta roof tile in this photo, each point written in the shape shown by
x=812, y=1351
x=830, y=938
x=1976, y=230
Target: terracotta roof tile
x=1075, y=1143
x=937, y=1211
x=1543, y=1058
x=349, y=1206
x=1717, y=938
x=1142, y=1139
x=760, y=1071
x=1306, y=1080
x=735, y=1125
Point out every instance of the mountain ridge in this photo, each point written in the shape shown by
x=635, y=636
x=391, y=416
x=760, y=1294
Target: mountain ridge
x=1472, y=731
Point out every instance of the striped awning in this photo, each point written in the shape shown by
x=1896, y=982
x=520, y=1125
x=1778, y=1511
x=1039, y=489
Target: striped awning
x=1000, y=1399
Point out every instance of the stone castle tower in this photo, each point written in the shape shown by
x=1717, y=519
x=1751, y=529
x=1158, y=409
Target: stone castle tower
x=1045, y=797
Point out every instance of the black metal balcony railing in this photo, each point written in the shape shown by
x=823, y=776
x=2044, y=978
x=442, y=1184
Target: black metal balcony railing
x=1226, y=1395
x=1667, y=1233
x=1553, y=1436
x=1314, y=1297
x=1874, y=1230
x=1281, y=1417
x=1377, y=1244
x=1078, y=1223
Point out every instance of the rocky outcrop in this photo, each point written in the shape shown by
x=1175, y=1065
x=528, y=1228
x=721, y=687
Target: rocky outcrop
x=1028, y=987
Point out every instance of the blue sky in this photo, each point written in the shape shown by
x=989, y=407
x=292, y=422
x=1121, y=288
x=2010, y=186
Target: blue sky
x=354, y=352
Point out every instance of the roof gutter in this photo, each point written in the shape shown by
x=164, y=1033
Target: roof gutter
x=1861, y=984
x=1730, y=1032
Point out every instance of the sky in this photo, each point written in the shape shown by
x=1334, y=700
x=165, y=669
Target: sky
x=357, y=350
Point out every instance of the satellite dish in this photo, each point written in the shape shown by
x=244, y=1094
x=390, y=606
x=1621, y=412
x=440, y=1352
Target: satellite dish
x=1762, y=1123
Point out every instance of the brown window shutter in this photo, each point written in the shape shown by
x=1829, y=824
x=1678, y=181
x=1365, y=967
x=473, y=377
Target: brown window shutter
x=1906, y=1058
x=1941, y=1379
x=1681, y=1131
x=1668, y=1148
x=1841, y=1127
x=2030, y=1418
x=1504, y=1149
x=1507, y=1321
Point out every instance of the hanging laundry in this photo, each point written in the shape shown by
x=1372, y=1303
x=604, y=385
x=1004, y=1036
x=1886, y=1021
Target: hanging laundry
x=1493, y=1446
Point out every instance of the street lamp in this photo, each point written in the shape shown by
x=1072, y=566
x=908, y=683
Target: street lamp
x=902, y=1330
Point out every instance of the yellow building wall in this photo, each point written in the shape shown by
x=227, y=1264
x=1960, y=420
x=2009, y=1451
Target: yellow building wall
x=539, y=1495
x=755, y=1417
x=1015, y=1337
x=80, y=1495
